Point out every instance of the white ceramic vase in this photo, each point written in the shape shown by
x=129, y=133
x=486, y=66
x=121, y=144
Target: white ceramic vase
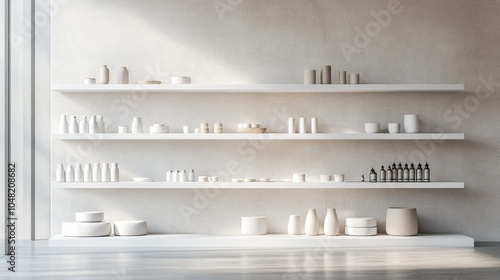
x=72, y=125
x=105, y=173
x=331, y=224
x=63, y=125
x=96, y=173
x=312, y=223
x=294, y=227
x=70, y=173
x=92, y=125
x=401, y=221
x=83, y=126
x=78, y=173
x=87, y=173
x=103, y=77
x=137, y=126
x=122, y=76
x=411, y=123
x=115, y=172
x=100, y=124
x=60, y=174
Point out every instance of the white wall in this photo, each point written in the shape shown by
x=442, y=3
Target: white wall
x=273, y=42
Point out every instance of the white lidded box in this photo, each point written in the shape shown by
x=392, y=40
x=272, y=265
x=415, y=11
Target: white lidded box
x=84, y=229
x=254, y=225
x=130, y=228
x=89, y=216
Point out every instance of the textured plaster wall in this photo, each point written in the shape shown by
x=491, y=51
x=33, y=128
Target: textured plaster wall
x=273, y=42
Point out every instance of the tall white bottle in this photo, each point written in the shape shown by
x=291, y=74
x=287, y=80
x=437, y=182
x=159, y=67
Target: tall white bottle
x=73, y=125
x=183, y=176
x=83, y=126
x=105, y=172
x=137, y=125
x=60, y=174
x=87, y=173
x=92, y=125
x=78, y=173
x=103, y=77
x=191, y=176
x=96, y=173
x=115, y=172
x=70, y=173
x=100, y=124
x=331, y=224
x=63, y=125
x=169, y=176
x=122, y=76
x=312, y=223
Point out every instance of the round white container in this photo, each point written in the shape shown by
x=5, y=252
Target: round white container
x=89, y=81
x=294, y=226
x=299, y=177
x=401, y=221
x=89, y=217
x=393, y=127
x=180, y=80
x=361, y=222
x=325, y=178
x=130, y=228
x=79, y=229
x=254, y=225
x=355, y=231
x=158, y=128
x=339, y=178
x=372, y=127
x=411, y=123
x=122, y=129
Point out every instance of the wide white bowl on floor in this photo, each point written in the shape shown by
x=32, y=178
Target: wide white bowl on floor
x=362, y=222
x=79, y=229
x=254, y=225
x=130, y=228
x=89, y=216
x=359, y=231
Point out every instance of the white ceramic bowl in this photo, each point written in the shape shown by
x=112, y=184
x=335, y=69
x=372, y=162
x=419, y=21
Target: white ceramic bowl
x=150, y=82
x=180, y=80
x=89, y=217
x=264, y=179
x=254, y=225
x=339, y=178
x=236, y=180
x=362, y=222
x=393, y=127
x=130, y=228
x=158, y=128
x=78, y=229
x=325, y=178
x=355, y=231
x=372, y=127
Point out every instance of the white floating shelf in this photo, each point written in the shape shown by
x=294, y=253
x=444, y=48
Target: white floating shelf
x=258, y=185
x=257, y=88
x=262, y=136
x=270, y=241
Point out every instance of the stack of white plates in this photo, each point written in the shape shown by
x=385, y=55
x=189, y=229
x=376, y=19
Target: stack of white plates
x=361, y=226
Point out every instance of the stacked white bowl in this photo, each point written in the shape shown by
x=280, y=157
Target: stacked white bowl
x=87, y=224
x=360, y=226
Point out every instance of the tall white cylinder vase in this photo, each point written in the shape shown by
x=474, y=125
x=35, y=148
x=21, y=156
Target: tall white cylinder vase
x=122, y=76
x=401, y=221
x=312, y=223
x=309, y=77
x=294, y=227
x=331, y=225
x=411, y=123
x=103, y=77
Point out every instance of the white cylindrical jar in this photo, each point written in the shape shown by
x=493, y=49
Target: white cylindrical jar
x=411, y=123
x=105, y=173
x=103, y=77
x=78, y=173
x=87, y=173
x=302, y=125
x=294, y=226
x=137, y=126
x=343, y=77
x=309, y=77
x=63, y=125
x=314, y=125
x=96, y=173
x=291, y=125
x=169, y=176
x=312, y=223
x=70, y=173
x=114, y=172
x=122, y=76
x=60, y=174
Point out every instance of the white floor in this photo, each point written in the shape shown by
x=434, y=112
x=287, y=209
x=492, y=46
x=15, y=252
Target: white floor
x=37, y=260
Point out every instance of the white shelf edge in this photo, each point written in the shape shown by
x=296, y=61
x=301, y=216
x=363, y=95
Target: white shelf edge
x=262, y=136
x=269, y=241
x=257, y=185
x=257, y=88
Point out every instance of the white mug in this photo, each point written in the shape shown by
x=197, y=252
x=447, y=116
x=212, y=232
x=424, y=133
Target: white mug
x=411, y=123
x=393, y=127
x=122, y=129
x=325, y=178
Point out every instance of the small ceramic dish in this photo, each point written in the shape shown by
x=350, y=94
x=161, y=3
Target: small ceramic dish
x=142, y=179
x=264, y=179
x=150, y=82
x=236, y=180
x=249, y=179
x=251, y=130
